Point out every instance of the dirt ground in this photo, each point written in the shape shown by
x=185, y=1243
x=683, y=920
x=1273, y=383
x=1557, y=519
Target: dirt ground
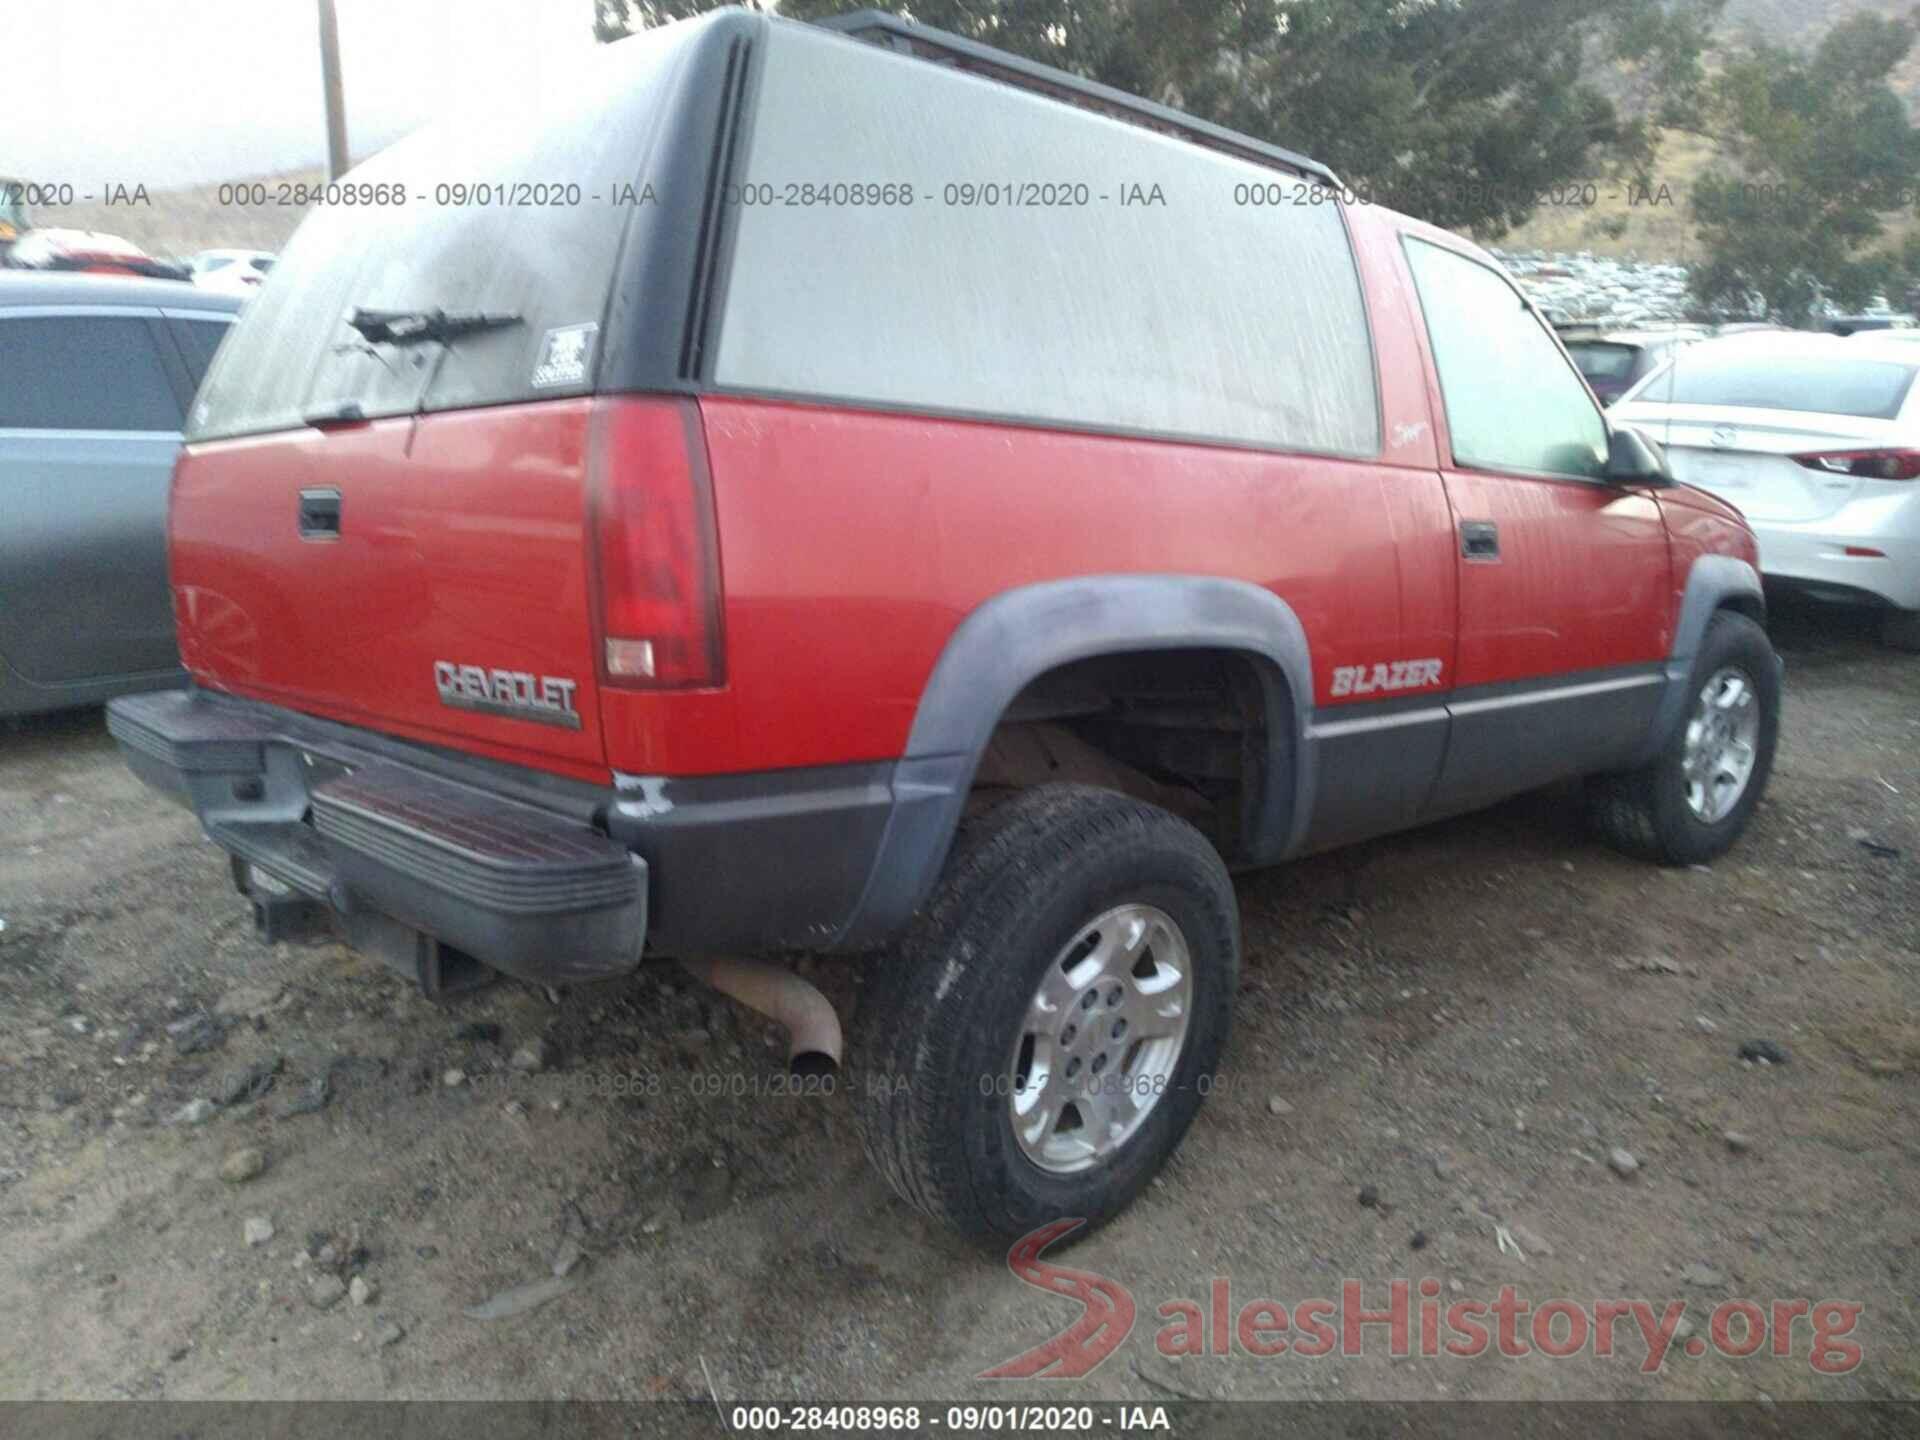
x=1467, y=1019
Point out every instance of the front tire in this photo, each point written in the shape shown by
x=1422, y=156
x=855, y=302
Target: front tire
x=1045, y=1034
x=1693, y=802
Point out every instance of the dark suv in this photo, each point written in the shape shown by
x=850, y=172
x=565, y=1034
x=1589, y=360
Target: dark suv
x=898, y=499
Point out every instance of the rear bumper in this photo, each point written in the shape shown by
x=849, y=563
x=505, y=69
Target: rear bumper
x=542, y=877
x=529, y=889
x=1814, y=555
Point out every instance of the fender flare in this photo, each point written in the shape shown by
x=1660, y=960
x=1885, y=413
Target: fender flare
x=1712, y=582
x=1020, y=634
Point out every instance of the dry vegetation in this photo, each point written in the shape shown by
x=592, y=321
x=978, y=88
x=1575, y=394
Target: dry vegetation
x=1627, y=222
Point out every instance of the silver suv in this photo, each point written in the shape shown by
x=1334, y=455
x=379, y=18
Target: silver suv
x=98, y=376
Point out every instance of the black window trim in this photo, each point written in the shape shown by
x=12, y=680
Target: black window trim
x=889, y=31
x=1408, y=238
x=184, y=383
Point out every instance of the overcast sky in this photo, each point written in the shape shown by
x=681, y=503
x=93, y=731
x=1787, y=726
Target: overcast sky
x=178, y=92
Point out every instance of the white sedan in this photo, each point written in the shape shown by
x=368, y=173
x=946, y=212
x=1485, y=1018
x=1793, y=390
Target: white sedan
x=1817, y=440
x=234, y=272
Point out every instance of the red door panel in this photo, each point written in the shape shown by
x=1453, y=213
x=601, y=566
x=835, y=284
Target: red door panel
x=1561, y=636
x=1580, y=582
x=852, y=545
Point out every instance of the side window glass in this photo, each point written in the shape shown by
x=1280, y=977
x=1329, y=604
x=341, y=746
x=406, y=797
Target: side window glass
x=1228, y=308
x=198, y=340
x=83, y=372
x=1513, y=403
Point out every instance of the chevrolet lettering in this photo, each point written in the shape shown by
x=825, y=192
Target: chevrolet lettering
x=516, y=694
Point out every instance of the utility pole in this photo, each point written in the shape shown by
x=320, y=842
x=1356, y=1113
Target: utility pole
x=337, y=160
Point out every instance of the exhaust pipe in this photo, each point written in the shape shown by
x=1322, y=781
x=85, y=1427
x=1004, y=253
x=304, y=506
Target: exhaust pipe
x=813, y=1029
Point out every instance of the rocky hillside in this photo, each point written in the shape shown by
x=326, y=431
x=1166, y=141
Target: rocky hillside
x=1613, y=221
x=1799, y=24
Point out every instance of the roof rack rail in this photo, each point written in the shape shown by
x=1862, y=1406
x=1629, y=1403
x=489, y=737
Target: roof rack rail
x=943, y=47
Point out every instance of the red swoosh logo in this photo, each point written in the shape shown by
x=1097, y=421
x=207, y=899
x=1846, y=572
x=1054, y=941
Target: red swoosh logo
x=1105, y=1322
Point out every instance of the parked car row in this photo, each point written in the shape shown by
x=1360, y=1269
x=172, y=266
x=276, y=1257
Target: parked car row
x=95, y=252
x=1613, y=361
x=238, y=272
x=89, y=252
x=1614, y=358
x=1814, y=435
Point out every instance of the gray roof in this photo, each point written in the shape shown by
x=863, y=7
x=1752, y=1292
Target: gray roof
x=64, y=287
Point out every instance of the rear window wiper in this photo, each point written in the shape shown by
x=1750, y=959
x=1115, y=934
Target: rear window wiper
x=410, y=327
x=338, y=412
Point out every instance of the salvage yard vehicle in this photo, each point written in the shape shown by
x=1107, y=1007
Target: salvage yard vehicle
x=237, y=272
x=89, y=252
x=1817, y=440
x=95, y=381
x=970, y=549
x=1613, y=360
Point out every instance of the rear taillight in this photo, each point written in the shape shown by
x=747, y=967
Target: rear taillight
x=654, y=547
x=1865, y=464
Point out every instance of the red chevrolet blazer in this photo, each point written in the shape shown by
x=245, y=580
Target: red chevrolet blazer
x=849, y=489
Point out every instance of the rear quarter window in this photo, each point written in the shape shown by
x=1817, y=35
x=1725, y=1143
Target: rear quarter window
x=1015, y=279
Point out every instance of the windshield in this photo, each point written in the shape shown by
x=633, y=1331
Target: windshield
x=1601, y=361
x=1768, y=380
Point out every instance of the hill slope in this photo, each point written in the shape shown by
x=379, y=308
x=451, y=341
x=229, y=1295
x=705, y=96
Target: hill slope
x=179, y=222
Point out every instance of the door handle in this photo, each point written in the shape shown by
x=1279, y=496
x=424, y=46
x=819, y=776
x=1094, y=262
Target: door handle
x=1479, y=540
x=319, y=514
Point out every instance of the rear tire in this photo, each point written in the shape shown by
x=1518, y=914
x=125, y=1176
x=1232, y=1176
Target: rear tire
x=1674, y=811
x=1065, y=916
x=1900, y=630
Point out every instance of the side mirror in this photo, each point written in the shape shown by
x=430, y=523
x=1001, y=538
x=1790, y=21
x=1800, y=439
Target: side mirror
x=1632, y=459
